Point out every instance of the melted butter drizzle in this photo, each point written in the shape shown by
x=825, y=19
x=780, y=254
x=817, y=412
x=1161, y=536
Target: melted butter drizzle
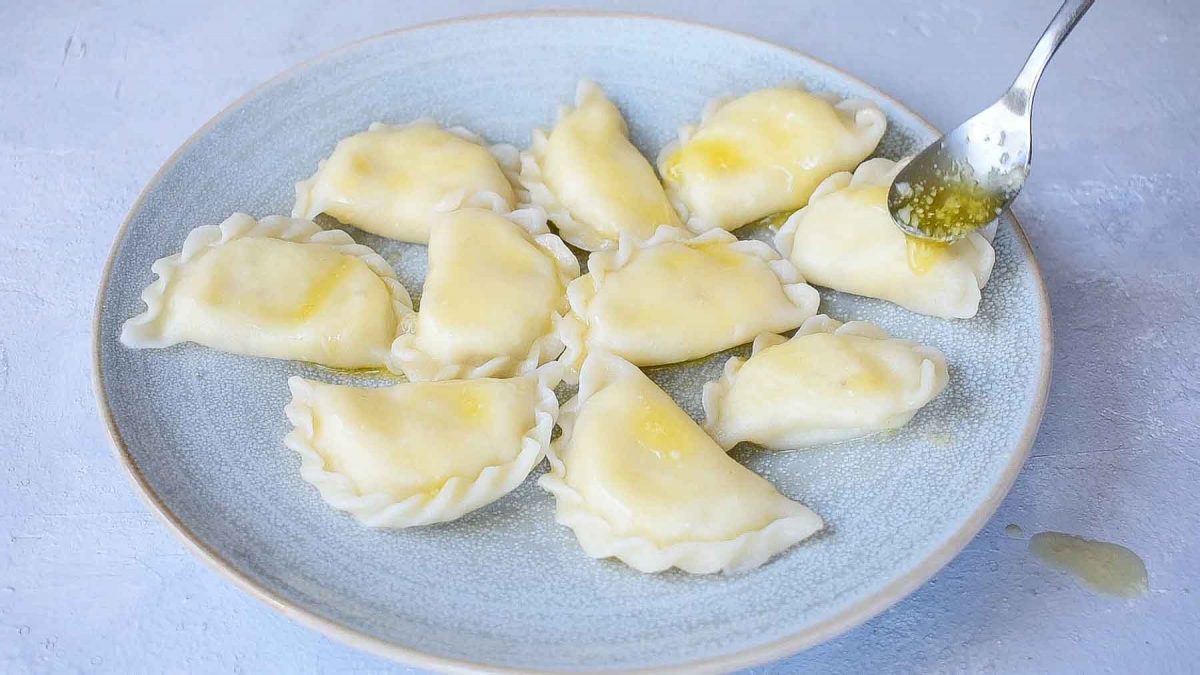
x=657, y=432
x=924, y=255
x=949, y=209
x=708, y=156
x=1109, y=569
x=375, y=371
x=775, y=220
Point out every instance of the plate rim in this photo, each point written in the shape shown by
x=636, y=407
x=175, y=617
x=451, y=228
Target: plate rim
x=848, y=618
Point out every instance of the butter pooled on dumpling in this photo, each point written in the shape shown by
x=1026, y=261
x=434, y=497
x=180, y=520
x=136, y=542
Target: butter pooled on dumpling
x=278, y=288
x=637, y=479
x=591, y=180
x=493, y=297
x=421, y=452
x=764, y=153
x=679, y=296
x=845, y=239
x=389, y=180
x=830, y=382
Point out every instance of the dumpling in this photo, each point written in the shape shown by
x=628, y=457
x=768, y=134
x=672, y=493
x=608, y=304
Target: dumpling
x=591, y=180
x=389, y=180
x=830, y=382
x=679, y=296
x=638, y=480
x=424, y=452
x=280, y=288
x=764, y=153
x=494, y=295
x=845, y=239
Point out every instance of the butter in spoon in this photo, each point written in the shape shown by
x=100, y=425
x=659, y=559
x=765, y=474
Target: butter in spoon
x=969, y=176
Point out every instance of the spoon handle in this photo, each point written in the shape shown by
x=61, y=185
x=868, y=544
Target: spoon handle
x=1021, y=94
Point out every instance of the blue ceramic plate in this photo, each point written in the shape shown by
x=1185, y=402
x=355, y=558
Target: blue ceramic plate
x=505, y=588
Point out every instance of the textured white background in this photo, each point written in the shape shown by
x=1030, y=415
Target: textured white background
x=95, y=96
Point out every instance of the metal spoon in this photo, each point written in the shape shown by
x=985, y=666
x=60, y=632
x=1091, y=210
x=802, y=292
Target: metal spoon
x=964, y=180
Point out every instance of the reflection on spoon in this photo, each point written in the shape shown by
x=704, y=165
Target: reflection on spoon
x=966, y=178
x=1106, y=568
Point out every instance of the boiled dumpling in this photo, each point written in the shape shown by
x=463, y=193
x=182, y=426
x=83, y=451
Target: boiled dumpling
x=830, y=382
x=638, y=480
x=679, y=296
x=591, y=180
x=420, y=453
x=389, y=180
x=764, y=153
x=280, y=288
x=845, y=239
x=494, y=295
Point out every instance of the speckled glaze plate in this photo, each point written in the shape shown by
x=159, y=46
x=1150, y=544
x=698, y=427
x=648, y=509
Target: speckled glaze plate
x=506, y=588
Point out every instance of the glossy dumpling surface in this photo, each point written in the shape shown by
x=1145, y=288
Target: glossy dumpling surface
x=830, y=382
x=765, y=153
x=493, y=297
x=591, y=179
x=679, y=296
x=389, y=180
x=637, y=479
x=845, y=239
x=424, y=452
x=278, y=288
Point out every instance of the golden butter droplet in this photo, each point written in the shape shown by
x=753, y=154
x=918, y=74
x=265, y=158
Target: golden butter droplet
x=320, y=291
x=924, y=255
x=361, y=168
x=298, y=303
x=869, y=379
x=709, y=156
x=671, y=166
x=372, y=371
x=660, y=432
x=470, y=406
x=1106, y=568
x=776, y=220
x=723, y=255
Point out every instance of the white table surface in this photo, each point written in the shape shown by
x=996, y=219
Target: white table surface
x=95, y=96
